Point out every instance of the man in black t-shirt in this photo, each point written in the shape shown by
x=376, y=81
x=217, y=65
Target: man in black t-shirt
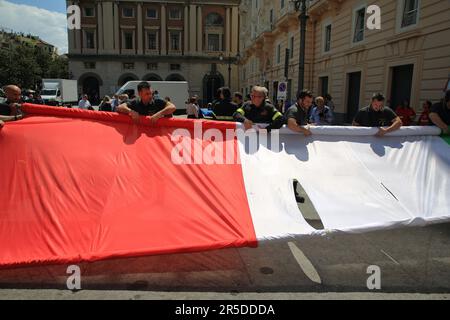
x=440, y=113
x=224, y=109
x=297, y=115
x=145, y=105
x=377, y=115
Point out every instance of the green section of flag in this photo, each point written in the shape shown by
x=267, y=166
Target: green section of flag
x=446, y=137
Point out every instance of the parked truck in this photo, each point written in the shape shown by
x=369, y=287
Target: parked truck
x=59, y=91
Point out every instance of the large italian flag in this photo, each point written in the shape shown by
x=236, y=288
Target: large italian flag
x=82, y=185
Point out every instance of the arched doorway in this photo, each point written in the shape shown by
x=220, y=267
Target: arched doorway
x=152, y=77
x=91, y=83
x=127, y=77
x=211, y=83
x=175, y=77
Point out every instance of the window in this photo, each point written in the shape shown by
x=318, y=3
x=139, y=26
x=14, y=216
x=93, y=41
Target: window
x=291, y=47
x=175, y=67
x=358, y=34
x=410, y=13
x=89, y=65
x=128, y=12
x=323, y=86
x=271, y=18
x=128, y=40
x=175, y=41
x=213, y=42
x=282, y=4
x=327, y=45
x=152, y=66
x=152, y=41
x=128, y=65
x=90, y=39
x=152, y=13
x=175, y=14
x=214, y=20
x=278, y=54
x=89, y=12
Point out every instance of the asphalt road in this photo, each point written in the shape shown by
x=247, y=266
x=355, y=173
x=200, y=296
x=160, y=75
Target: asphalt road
x=414, y=263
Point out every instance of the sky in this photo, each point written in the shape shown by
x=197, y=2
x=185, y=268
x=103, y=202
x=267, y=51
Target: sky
x=44, y=18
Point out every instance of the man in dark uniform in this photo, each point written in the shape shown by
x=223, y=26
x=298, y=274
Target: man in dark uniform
x=10, y=109
x=258, y=110
x=145, y=105
x=377, y=115
x=223, y=109
x=297, y=116
x=440, y=113
x=238, y=98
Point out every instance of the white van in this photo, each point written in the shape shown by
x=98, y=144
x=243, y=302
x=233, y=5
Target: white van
x=177, y=91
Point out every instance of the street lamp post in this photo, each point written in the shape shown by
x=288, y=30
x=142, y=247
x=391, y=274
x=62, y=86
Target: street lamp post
x=229, y=74
x=230, y=60
x=300, y=5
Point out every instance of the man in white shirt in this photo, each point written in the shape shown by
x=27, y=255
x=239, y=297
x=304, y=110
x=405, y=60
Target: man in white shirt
x=192, y=109
x=84, y=102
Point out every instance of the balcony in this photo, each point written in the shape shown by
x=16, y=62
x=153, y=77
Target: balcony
x=319, y=7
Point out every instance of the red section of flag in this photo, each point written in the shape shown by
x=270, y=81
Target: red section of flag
x=81, y=186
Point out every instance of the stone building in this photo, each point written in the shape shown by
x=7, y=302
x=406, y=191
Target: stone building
x=194, y=41
x=409, y=58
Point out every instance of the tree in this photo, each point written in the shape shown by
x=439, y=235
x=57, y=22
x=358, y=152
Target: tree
x=59, y=68
x=25, y=65
x=18, y=66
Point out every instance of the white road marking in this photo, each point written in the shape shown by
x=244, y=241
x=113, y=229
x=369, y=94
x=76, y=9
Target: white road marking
x=387, y=255
x=304, y=263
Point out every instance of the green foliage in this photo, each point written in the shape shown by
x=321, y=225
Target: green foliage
x=26, y=66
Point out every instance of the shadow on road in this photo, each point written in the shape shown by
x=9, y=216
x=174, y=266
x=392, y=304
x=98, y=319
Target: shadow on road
x=412, y=260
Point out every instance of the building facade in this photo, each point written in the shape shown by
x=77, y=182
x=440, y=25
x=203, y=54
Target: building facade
x=408, y=58
x=119, y=41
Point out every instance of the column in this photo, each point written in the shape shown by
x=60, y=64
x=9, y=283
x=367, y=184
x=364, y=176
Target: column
x=227, y=48
x=163, y=30
x=199, y=29
x=79, y=45
x=116, y=28
x=73, y=48
x=140, y=46
x=71, y=39
x=99, y=27
x=74, y=35
x=192, y=28
x=108, y=27
x=234, y=30
x=186, y=30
